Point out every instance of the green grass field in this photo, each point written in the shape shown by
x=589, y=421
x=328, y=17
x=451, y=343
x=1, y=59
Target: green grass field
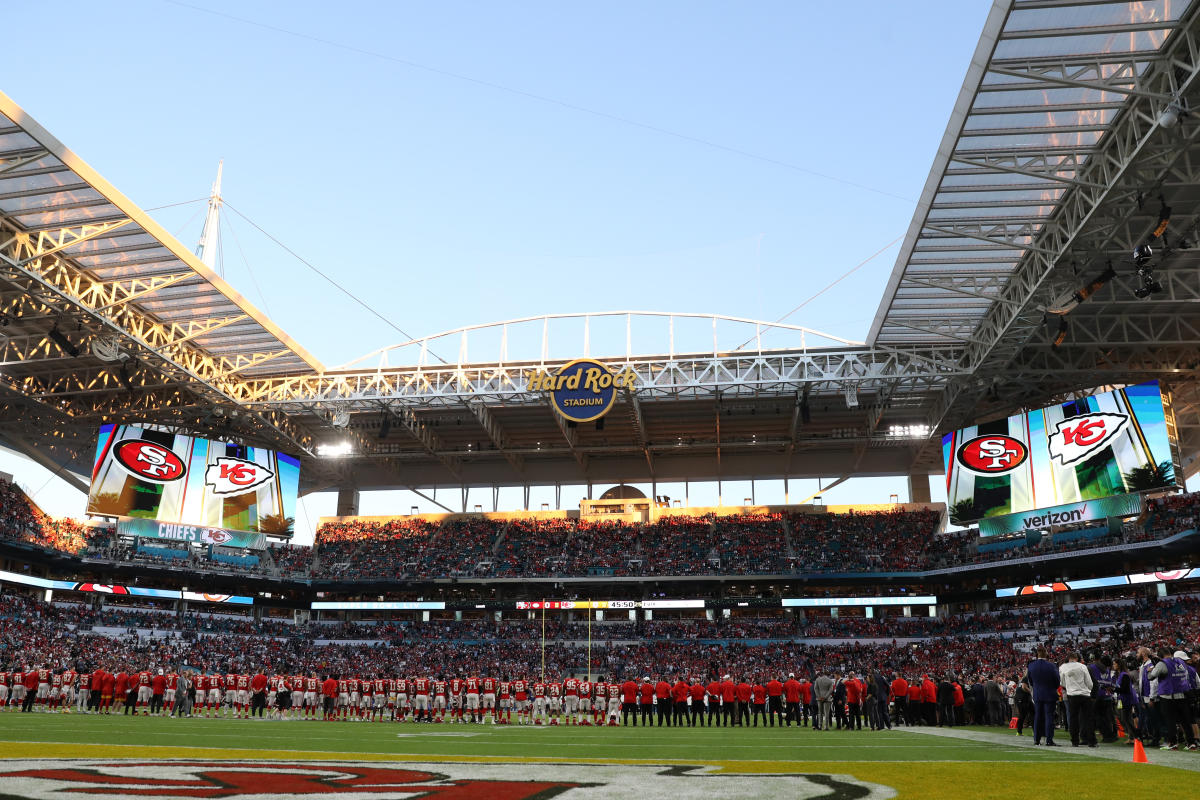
x=991, y=764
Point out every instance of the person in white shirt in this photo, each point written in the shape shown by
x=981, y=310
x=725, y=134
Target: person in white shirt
x=1077, y=688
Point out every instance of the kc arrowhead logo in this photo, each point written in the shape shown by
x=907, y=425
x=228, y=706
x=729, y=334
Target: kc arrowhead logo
x=230, y=476
x=1076, y=438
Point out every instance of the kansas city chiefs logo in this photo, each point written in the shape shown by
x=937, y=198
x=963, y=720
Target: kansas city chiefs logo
x=993, y=455
x=149, y=461
x=235, y=475
x=1076, y=438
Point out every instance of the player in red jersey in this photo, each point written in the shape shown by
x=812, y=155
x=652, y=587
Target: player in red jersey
x=55, y=690
x=504, y=706
x=570, y=700
x=379, y=698
x=599, y=700
x=520, y=689
x=471, y=690
x=585, y=702
x=439, y=699
x=487, y=700
x=421, y=709
x=539, y=701
x=456, y=699
x=169, y=692
x=554, y=701
x=403, y=699
x=614, y=703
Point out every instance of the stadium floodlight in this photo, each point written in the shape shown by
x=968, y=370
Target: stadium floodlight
x=1176, y=110
x=63, y=342
x=334, y=449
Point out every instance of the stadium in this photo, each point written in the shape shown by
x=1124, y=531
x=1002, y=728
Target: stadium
x=1032, y=358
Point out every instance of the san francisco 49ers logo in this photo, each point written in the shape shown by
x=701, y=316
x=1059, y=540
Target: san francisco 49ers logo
x=149, y=461
x=992, y=455
x=230, y=475
x=1076, y=438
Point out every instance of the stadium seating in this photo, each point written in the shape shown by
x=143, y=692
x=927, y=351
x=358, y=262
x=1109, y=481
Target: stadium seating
x=63, y=634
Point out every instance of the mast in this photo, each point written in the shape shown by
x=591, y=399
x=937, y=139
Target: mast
x=210, y=236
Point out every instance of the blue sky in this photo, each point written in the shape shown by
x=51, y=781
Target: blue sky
x=465, y=162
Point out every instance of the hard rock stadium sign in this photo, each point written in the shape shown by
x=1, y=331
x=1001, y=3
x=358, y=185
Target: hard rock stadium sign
x=582, y=390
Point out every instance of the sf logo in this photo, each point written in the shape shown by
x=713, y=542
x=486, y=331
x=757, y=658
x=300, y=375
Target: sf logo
x=993, y=455
x=149, y=461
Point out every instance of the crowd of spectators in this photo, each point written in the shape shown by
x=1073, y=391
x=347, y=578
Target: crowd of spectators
x=674, y=545
x=32, y=631
x=21, y=520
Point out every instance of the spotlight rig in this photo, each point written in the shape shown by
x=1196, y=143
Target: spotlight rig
x=1142, y=254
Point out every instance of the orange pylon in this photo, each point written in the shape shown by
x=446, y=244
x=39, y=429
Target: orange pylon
x=1139, y=753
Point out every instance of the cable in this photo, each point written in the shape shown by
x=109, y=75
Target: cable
x=172, y=205
x=843, y=277
x=261, y=296
x=544, y=99
x=330, y=280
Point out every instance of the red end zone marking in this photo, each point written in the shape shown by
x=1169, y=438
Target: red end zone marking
x=217, y=780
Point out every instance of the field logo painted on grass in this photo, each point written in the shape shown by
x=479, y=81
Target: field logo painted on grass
x=114, y=778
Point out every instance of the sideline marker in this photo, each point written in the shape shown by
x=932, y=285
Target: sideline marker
x=1139, y=753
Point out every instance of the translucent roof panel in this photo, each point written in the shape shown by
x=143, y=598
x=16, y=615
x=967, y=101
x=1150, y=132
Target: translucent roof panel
x=1048, y=81
x=46, y=187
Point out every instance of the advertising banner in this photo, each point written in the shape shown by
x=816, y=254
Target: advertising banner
x=196, y=534
x=118, y=589
x=1122, y=505
x=1106, y=444
x=1100, y=583
x=152, y=474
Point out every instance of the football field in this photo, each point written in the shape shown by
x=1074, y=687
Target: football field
x=64, y=756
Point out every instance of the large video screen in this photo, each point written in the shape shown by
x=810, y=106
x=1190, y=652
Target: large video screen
x=1103, y=445
x=146, y=473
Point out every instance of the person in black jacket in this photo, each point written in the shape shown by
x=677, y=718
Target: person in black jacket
x=945, y=702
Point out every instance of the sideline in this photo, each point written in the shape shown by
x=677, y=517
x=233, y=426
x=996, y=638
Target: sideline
x=1161, y=758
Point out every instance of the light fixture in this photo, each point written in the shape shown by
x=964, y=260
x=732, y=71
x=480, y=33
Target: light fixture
x=63, y=342
x=123, y=376
x=1176, y=110
x=334, y=449
x=108, y=349
x=340, y=417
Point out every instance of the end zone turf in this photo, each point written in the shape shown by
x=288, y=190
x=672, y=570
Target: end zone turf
x=60, y=756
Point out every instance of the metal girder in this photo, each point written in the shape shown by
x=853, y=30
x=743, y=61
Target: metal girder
x=487, y=421
x=570, y=435
x=424, y=435
x=639, y=426
x=1045, y=166
x=659, y=377
x=9, y=163
x=33, y=262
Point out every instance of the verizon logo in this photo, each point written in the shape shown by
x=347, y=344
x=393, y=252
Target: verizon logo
x=1055, y=517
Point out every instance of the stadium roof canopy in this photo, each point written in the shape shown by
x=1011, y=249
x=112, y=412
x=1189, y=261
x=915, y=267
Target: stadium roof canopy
x=1070, y=144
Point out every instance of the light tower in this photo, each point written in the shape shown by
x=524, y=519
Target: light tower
x=210, y=236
